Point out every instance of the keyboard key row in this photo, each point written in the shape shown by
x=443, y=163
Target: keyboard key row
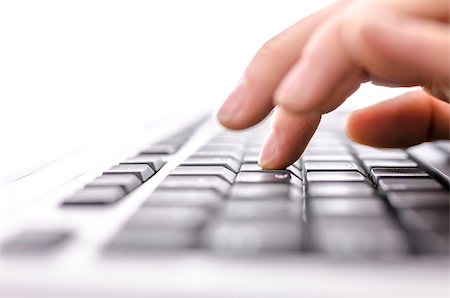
x=125, y=177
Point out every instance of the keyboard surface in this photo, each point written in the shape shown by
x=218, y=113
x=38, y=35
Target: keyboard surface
x=339, y=199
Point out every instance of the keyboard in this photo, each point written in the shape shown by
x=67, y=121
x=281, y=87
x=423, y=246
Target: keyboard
x=340, y=199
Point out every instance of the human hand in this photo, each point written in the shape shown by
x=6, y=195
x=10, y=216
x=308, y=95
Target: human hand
x=313, y=66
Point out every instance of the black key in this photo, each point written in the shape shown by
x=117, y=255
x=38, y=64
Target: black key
x=280, y=176
x=425, y=220
x=226, y=162
x=328, y=176
x=378, y=173
x=257, y=191
x=184, y=197
x=339, y=189
x=254, y=237
x=418, y=199
x=168, y=218
x=331, y=166
x=96, y=195
x=358, y=237
x=385, y=163
x=36, y=241
x=151, y=240
x=409, y=184
x=162, y=149
x=196, y=182
x=267, y=209
x=353, y=207
x=128, y=182
x=152, y=161
x=142, y=171
x=218, y=171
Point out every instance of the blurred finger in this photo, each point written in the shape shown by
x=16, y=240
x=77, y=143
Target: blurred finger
x=366, y=38
x=409, y=119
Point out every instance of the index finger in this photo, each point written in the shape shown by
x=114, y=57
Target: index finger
x=252, y=100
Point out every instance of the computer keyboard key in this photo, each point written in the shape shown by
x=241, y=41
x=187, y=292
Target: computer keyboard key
x=425, y=219
x=196, y=182
x=336, y=176
x=364, y=152
x=418, y=199
x=205, y=198
x=153, y=240
x=378, y=173
x=266, y=209
x=431, y=243
x=250, y=167
x=443, y=145
x=36, y=241
x=434, y=159
x=331, y=166
x=385, y=163
x=254, y=167
x=226, y=162
x=238, y=148
x=328, y=157
x=297, y=164
x=154, y=162
x=409, y=184
x=218, y=171
x=341, y=150
x=228, y=138
x=142, y=171
x=279, y=176
x=257, y=191
x=128, y=182
x=251, y=158
x=254, y=237
x=339, y=189
x=227, y=154
x=96, y=195
x=295, y=171
x=357, y=239
x=165, y=217
x=162, y=149
x=352, y=207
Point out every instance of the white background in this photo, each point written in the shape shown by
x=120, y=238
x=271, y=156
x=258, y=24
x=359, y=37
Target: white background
x=71, y=70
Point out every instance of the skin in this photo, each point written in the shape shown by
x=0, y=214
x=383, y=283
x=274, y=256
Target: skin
x=312, y=67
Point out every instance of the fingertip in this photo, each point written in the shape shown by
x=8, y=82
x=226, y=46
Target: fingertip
x=353, y=128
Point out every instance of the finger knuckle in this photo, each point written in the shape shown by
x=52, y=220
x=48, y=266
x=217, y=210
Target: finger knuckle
x=273, y=48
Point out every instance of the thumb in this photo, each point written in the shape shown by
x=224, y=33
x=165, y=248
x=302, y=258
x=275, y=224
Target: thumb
x=406, y=120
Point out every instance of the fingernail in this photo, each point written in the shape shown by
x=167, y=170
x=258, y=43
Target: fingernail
x=294, y=88
x=234, y=101
x=269, y=150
